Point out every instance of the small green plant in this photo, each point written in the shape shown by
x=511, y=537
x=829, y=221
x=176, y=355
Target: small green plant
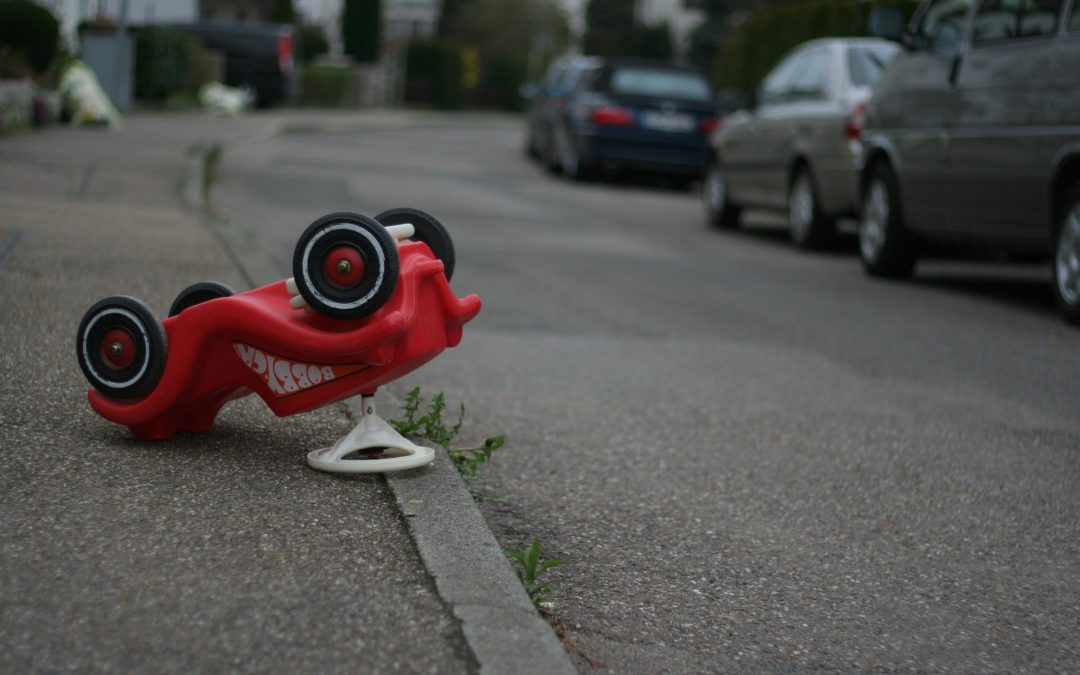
x=430, y=425
x=530, y=568
x=433, y=427
x=468, y=460
x=211, y=167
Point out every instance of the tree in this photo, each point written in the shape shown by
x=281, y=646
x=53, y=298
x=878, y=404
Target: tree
x=707, y=39
x=506, y=35
x=612, y=31
x=450, y=17
x=29, y=35
x=283, y=12
x=652, y=42
x=361, y=29
x=609, y=27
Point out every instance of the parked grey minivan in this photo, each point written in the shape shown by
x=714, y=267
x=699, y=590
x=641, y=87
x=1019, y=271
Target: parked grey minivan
x=798, y=149
x=973, y=137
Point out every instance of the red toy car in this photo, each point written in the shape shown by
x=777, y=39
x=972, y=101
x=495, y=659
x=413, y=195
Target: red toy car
x=369, y=302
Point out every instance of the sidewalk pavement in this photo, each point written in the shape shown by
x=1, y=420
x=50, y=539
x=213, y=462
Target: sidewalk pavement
x=212, y=552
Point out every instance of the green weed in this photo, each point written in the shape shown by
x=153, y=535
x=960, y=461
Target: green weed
x=432, y=426
x=529, y=569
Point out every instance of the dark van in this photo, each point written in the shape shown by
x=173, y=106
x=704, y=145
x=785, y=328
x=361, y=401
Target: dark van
x=257, y=55
x=973, y=137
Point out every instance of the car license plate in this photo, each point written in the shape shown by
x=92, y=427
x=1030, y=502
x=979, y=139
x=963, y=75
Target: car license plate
x=672, y=122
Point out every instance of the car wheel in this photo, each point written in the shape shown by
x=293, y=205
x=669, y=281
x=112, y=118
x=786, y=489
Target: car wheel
x=345, y=265
x=550, y=150
x=886, y=247
x=1067, y=260
x=570, y=159
x=121, y=348
x=428, y=230
x=531, y=151
x=196, y=294
x=810, y=227
x=719, y=211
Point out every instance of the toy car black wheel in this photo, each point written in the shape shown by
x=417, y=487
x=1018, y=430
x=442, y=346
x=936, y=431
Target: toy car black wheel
x=345, y=265
x=196, y=294
x=121, y=348
x=428, y=230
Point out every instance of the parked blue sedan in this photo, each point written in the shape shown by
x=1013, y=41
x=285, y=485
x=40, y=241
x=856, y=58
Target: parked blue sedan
x=637, y=114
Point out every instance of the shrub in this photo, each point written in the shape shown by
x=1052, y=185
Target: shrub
x=501, y=82
x=326, y=85
x=434, y=71
x=29, y=32
x=162, y=57
x=313, y=42
x=204, y=66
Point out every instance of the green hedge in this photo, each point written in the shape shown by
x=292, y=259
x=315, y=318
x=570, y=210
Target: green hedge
x=29, y=32
x=500, y=84
x=326, y=85
x=162, y=59
x=434, y=73
x=754, y=49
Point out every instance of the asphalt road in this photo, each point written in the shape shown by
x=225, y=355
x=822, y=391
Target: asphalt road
x=749, y=457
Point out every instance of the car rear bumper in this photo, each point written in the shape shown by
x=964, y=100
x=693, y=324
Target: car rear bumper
x=609, y=151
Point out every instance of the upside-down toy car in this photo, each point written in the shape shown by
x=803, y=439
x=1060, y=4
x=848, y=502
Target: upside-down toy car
x=369, y=302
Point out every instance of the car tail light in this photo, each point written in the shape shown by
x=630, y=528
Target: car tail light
x=853, y=123
x=710, y=124
x=612, y=116
x=285, y=52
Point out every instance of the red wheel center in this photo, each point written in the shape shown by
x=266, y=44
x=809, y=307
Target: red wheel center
x=344, y=266
x=118, y=348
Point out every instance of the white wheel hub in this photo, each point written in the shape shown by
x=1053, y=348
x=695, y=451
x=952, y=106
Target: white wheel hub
x=875, y=218
x=1067, y=260
x=715, y=189
x=801, y=207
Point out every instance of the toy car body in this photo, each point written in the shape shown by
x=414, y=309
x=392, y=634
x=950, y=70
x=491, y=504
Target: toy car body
x=265, y=341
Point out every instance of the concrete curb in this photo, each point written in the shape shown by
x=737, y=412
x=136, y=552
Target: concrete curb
x=472, y=575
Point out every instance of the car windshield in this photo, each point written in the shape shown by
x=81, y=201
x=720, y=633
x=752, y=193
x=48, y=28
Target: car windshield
x=867, y=63
x=660, y=83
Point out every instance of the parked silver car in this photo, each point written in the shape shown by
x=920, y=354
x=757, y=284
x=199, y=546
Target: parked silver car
x=798, y=149
x=973, y=137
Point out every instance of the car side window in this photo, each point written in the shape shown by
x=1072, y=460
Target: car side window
x=942, y=27
x=810, y=80
x=777, y=82
x=1005, y=19
x=1074, y=22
